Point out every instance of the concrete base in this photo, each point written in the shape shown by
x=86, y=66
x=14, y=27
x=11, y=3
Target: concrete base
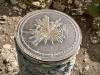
x=30, y=66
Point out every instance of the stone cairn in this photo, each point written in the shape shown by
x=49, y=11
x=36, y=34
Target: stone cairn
x=44, y=44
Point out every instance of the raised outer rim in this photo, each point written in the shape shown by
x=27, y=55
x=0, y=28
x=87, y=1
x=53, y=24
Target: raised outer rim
x=24, y=50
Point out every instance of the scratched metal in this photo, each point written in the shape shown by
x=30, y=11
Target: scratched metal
x=48, y=51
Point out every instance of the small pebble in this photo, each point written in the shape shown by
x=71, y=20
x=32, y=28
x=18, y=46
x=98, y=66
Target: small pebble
x=85, y=60
x=87, y=68
x=7, y=46
x=9, y=68
x=15, y=8
x=14, y=64
x=15, y=70
x=36, y=3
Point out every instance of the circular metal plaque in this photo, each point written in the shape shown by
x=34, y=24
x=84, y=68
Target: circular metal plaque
x=48, y=35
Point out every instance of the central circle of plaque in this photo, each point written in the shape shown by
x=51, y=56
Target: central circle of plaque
x=48, y=35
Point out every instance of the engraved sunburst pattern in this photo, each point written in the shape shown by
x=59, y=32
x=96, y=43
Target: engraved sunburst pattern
x=46, y=30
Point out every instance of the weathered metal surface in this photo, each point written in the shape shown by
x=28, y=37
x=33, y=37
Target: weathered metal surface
x=54, y=43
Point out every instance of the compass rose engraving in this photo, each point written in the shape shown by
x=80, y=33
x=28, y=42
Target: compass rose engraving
x=46, y=30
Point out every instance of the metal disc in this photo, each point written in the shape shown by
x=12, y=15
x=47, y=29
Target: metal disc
x=48, y=35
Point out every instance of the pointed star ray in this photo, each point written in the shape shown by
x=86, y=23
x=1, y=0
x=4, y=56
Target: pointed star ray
x=46, y=30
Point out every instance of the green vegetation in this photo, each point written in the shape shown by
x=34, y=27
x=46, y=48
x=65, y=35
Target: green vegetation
x=95, y=10
x=98, y=1
x=95, y=26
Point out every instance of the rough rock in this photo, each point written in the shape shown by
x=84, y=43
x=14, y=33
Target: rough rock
x=36, y=3
x=1, y=1
x=42, y=5
x=2, y=22
x=7, y=46
x=15, y=8
x=9, y=68
x=9, y=62
x=14, y=64
x=14, y=1
x=87, y=68
x=77, y=11
x=15, y=70
x=78, y=68
x=89, y=1
x=3, y=56
x=69, y=1
x=20, y=11
x=94, y=39
x=58, y=6
x=41, y=0
x=85, y=60
x=3, y=19
x=80, y=71
x=98, y=33
x=77, y=2
x=31, y=9
x=48, y=3
x=2, y=38
x=23, y=6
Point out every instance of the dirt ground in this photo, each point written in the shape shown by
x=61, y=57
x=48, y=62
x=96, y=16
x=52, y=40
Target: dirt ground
x=88, y=58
